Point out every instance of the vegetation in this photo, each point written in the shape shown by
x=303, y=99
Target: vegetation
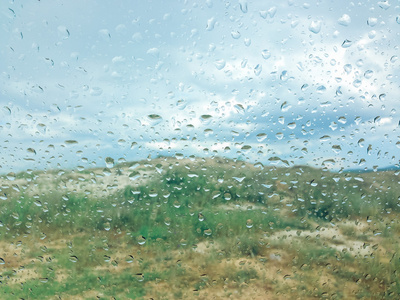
x=171, y=228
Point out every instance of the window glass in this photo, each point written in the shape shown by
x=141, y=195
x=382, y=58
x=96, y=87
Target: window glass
x=210, y=149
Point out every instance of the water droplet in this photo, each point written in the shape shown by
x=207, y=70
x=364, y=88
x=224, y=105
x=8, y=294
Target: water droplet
x=372, y=21
x=106, y=172
x=139, y=277
x=344, y=20
x=201, y=217
x=321, y=89
x=368, y=74
x=109, y=162
x=257, y=70
x=243, y=5
x=342, y=119
x=266, y=54
x=134, y=175
x=384, y=4
x=357, y=83
x=239, y=179
x=153, y=52
x=346, y=43
x=141, y=240
x=63, y=32
x=239, y=108
x=279, y=135
x=107, y=226
x=205, y=119
x=249, y=223
x=154, y=119
x=336, y=148
x=361, y=142
x=398, y=19
x=2, y=262
x=208, y=232
x=153, y=193
x=315, y=26
x=285, y=106
x=73, y=258
x=261, y=136
x=325, y=138
x=210, y=24
x=348, y=68
x=220, y=64
x=11, y=176
x=284, y=76
x=235, y=34
x=181, y=104
x=71, y=142
x=95, y=91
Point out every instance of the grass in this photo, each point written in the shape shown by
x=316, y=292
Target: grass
x=195, y=228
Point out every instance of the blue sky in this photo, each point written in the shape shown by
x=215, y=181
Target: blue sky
x=312, y=82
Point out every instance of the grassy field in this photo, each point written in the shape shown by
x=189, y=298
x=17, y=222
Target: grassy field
x=199, y=228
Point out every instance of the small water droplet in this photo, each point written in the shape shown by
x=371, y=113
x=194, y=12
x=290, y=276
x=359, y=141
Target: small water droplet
x=344, y=20
x=107, y=226
x=235, y=34
x=261, y=136
x=201, y=217
x=315, y=26
x=141, y=240
x=181, y=104
x=134, y=175
x=257, y=70
x=208, y=232
x=249, y=223
x=227, y=196
x=205, y=119
x=73, y=258
x=266, y=54
x=211, y=24
x=109, y=162
x=154, y=119
x=220, y=64
x=372, y=21
x=346, y=43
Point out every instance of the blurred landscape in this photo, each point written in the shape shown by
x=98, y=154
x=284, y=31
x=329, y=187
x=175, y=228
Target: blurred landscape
x=203, y=228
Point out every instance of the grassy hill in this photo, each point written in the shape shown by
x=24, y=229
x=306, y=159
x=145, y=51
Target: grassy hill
x=195, y=228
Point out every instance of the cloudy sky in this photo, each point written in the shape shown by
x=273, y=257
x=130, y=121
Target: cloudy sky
x=284, y=83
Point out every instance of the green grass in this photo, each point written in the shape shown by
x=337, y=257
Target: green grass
x=230, y=206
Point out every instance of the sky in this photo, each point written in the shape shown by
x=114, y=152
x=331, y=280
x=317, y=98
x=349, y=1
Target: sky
x=284, y=83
